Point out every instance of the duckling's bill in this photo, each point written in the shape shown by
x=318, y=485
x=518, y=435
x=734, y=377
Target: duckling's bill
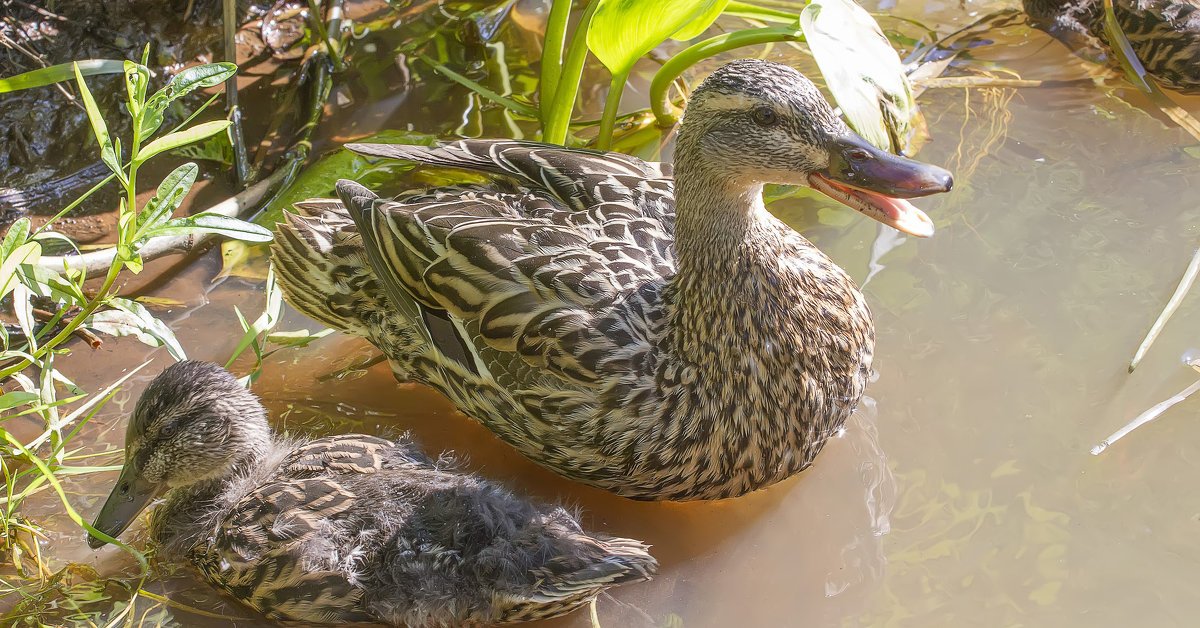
x=876, y=183
x=129, y=497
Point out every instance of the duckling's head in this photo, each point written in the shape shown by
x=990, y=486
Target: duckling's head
x=753, y=122
x=194, y=422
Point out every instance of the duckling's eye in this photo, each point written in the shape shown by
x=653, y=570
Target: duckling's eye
x=764, y=116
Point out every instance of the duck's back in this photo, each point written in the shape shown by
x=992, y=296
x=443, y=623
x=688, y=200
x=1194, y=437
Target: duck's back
x=358, y=528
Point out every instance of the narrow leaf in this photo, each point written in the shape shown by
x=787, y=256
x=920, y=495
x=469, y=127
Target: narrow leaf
x=180, y=138
x=212, y=223
x=99, y=129
x=137, y=76
x=27, y=253
x=17, y=398
x=59, y=73
x=198, y=77
x=131, y=318
x=15, y=237
x=170, y=194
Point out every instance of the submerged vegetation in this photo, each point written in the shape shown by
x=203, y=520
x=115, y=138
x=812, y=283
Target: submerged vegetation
x=59, y=292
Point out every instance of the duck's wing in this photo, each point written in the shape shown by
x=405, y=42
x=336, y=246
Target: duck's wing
x=281, y=547
x=571, y=292
x=277, y=551
x=580, y=178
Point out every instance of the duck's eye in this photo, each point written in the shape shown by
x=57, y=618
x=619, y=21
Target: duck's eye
x=859, y=155
x=167, y=430
x=765, y=116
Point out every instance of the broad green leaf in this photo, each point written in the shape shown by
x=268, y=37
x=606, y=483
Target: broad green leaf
x=59, y=73
x=15, y=237
x=99, y=129
x=27, y=253
x=131, y=318
x=208, y=222
x=198, y=77
x=622, y=31
x=166, y=200
x=180, y=138
x=17, y=398
x=863, y=72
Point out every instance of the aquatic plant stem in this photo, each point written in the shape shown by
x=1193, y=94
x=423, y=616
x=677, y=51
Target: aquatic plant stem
x=1149, y=415
x=556, y=123
x=71, y=512
x=1185, y=284
x=552, y=48
x=611, y=103
x=241, y=163
x=660, y=85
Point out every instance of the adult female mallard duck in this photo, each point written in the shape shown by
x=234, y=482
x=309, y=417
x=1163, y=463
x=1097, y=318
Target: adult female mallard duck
x=660, y=338
x=1165, y=34
x=345, y=528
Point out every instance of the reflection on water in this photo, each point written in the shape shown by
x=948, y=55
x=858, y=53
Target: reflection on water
x=961, y=493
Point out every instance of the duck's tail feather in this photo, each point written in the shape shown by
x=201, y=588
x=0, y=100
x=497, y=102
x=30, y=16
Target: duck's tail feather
x=319, y=260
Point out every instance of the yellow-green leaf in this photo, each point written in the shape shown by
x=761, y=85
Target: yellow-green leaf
x=622, y=31
x=863, y=72
x=180, y=138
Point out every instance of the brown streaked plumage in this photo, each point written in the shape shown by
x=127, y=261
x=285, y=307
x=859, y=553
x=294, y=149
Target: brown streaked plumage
x=1165, y=34
x=348, y=528
x=658, y=337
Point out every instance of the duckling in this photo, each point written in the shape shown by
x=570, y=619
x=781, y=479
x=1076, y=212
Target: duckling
x=346, y=528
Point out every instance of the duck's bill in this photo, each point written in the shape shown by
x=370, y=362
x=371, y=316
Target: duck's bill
x=877, y=183
x=129, y=497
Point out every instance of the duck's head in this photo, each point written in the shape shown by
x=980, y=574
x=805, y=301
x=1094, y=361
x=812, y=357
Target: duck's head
x=194, y=422
x=754, y=122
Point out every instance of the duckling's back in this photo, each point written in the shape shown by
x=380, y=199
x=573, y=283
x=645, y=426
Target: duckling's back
x=358, y=528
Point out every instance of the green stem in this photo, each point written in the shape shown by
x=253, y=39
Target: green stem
x=552, y=49
x=763, y=13
x=555, y=126
x=75, y=323
x=660, y=86
x=608, y=121
x=49, y=475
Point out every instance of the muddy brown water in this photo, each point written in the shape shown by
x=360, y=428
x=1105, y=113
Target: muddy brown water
x=962, y=492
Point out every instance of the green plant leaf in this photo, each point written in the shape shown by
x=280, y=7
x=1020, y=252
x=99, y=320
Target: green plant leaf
x=170, y=194
x=130, y=318
x=99, y=129
x=863, y=72
x=59, y=73
x=130, y=257
x=180, y=138
x=27, y=253
x=17, y=398
x=622, y=31
x=137, y=76
x=16, y=236
x=197, y=77
x=208, y=222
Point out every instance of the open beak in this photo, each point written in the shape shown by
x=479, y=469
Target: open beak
x=128, y=498
x=876, y=182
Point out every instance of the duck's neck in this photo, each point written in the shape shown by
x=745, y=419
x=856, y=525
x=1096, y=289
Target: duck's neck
x=714, y=216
